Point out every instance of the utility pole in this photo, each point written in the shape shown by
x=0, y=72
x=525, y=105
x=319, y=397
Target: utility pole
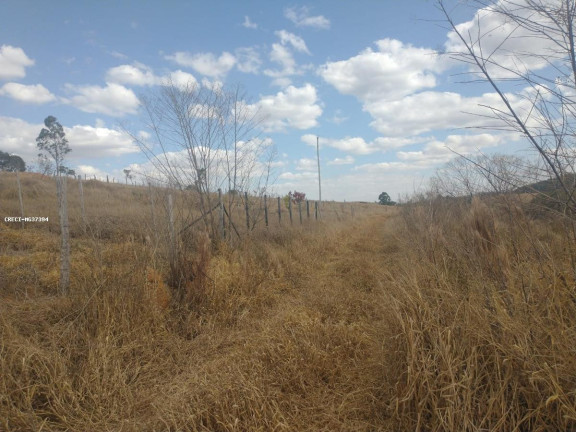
x=319, y=178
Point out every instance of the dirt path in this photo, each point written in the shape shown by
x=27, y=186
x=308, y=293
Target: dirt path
x=312, y=361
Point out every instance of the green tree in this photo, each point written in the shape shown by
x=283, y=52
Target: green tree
x=384, y=199
x=52, y=141
x=11, y=162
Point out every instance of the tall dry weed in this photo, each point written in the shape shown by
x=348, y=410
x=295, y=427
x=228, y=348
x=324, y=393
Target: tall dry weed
x=485, y=315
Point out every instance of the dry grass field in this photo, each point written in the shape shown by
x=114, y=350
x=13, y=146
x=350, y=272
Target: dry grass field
x=434, y=316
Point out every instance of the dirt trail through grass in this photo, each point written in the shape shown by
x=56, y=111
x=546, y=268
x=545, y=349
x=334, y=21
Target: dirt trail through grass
x=311, y=360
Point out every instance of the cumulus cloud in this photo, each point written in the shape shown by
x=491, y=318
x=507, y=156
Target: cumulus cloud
x=113, y=100
x=348, y=160
x=439, y=152
x=294, y=107
x=205, y=63
x=359, y=146
x=18, y=136
x=508, y=47
x=179, y=78
x=13, y=62
x=138, y=74
x=429, y=111
x=89, y=141
x=32, y=94
x=301, y=18
x=390, y=73
x=282, y=54
x=90, y=171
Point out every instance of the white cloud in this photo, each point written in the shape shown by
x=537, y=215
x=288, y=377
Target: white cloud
x=506, y=44
x=13, y=62
x=136, y=74
x=179, y=78
x=89, y=171
x=382, y=167
x=18, y=136
x=248, y=23
x=354, y=145
x=439, y=152
x=32, y=94
x=205, y=63
x=429, y=111
x=294, y=107
x=301, y=17
x=141, y=75
x=392, y=72
x=348, y=160
x=248, y=60
x=281, y=53
x=113, y=100
x=358, y=146
x=287, y=38
x=307, y=165
x=309, y=175
x=90, y=142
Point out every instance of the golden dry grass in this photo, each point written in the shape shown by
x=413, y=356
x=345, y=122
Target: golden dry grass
x=435, y=316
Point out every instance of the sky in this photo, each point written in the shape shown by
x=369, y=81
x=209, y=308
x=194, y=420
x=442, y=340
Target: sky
x=367, y=77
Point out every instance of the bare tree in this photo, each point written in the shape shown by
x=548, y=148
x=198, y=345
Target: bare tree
x=529, y=43
x=478, y=174
x=201, y=138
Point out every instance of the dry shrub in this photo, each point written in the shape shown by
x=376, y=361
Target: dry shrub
x=157, y=292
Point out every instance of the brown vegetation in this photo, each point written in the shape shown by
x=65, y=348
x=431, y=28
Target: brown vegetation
x=440, y=316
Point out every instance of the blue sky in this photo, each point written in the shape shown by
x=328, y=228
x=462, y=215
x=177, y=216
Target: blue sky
x=364, y=76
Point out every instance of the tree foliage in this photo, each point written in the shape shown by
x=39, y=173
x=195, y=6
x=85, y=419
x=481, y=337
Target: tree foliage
x=384, y=199
x=52, y=142
x=12, y=163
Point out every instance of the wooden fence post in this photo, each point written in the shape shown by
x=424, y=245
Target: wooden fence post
x=154, y=228
x=247, y=208
x=20, y=198
x=171, y=231
x=222, y=222
x=316, y=210
x=65, y=236
x=279, y=212
x=290, y=208
x=266, y=210
x=308, y=209
x=107, y=181
x=300, y=211
x=82, y=208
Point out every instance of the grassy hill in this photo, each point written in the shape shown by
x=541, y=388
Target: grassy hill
x=432, y=316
